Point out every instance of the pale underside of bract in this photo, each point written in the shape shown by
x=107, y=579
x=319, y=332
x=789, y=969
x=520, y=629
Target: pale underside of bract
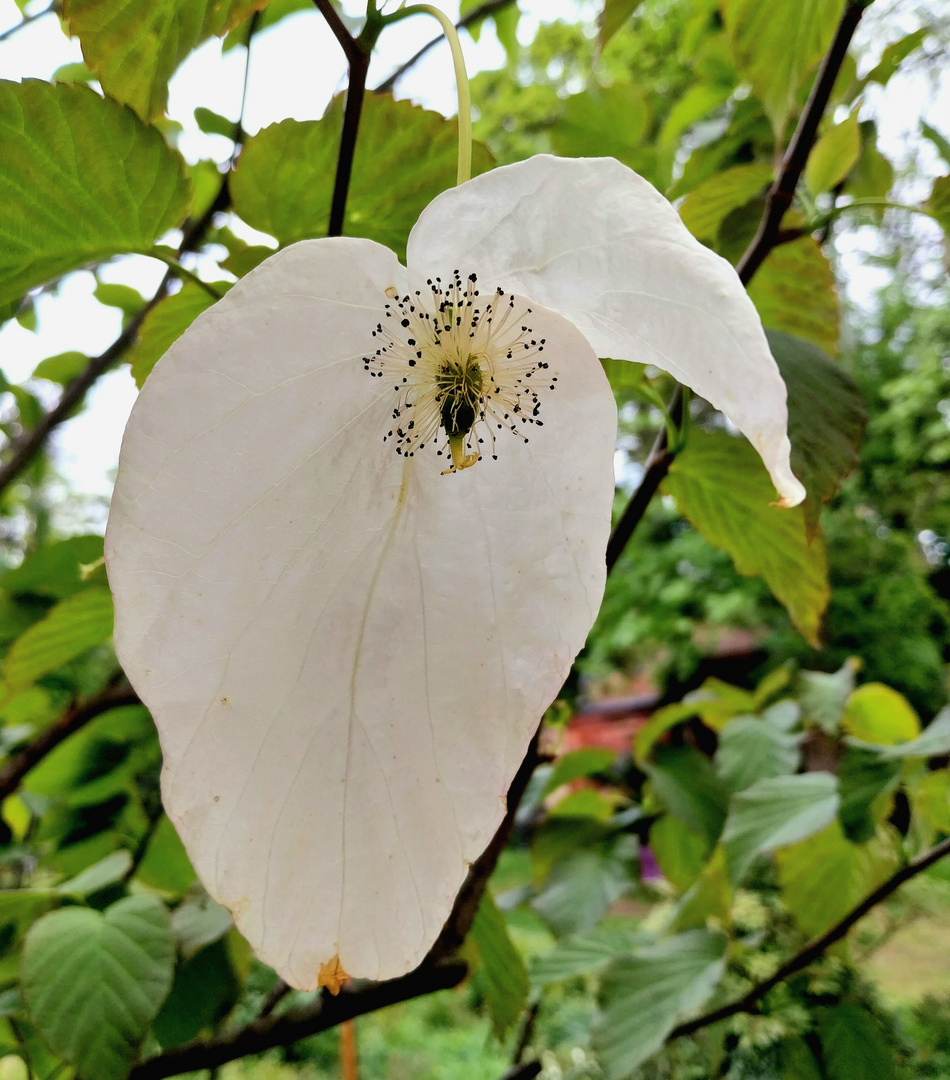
x=346, y=651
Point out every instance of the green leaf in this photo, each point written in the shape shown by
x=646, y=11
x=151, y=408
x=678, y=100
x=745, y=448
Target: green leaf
x=580, y=954
x=794, y=291
x=54, y=571
x=939, y=141
x=580, y=889
x=205, y=990
x=61, y=368
x=826, y=419
x=873, y=175
x=708, y=204
x=875, y=713
x=686, y=783
x=212, y=123
x=822, y=696
x=823, y=877
x=164, y=325
x=576, y=764
x=504, y=972
x=128, y=300
x=78, y=964
x=709, y=897
x=938, y=204
x=603, y=121
x=774, y=812
x=100, y=875
x=81, y=180
x=934, y=741
x=721, y=486
x=657, y=726
x=135, y=47
x=894, y=55
x=853, y=1045
x=863, y=778
x=750, y=749
x=284, y=181
x=680, y=852
x=613, y=16
x=72, y=627
x=166, y=866
x=930, y=798
x=643, y=995
x=833, y=156
x=776, y=45
x=198, y=921
x=717, y=702
x=797, y=1060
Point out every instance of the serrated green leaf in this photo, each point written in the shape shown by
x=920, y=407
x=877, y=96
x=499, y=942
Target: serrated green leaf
x=135, y=47
x=81, y=180
x=833, y=156
x=78, y=963
x=580, y=889
x=71, y=628
x=284, y=181
x=502, y=968
x=165, y=324
x=603, y=121
x=794, y=291
x=708, y=204
x=721, y=486
x=823, y=695
x=686, y=784
x=776, y=45
x=775, y=812
x=826, y=419
x=61, y=368
x=853, y=1045
x=824, y=876
x=580, y=954
x=750, y=749
x=615, y=13
x=642, y=996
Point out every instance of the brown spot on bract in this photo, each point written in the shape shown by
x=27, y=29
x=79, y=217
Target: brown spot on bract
x=332, y=975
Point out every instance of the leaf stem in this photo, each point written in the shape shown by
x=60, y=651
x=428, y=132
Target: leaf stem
x=180, y=271
x=462, y=86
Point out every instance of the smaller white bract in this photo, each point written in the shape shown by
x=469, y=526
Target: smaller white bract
x=358, y=537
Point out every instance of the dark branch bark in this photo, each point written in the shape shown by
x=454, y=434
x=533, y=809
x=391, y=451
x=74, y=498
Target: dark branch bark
x=815, y=949
x=355, y=93
x=75, y=717
x=27, y=19
x=351, y=49
x=528, y=1071
x=769, y=235
x=297, y=1023
x=488, y=8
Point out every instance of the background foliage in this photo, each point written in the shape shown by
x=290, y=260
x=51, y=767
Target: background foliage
x=681, y=908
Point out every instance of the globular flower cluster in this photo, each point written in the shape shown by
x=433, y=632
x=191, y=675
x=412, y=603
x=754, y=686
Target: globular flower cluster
x=461, y=365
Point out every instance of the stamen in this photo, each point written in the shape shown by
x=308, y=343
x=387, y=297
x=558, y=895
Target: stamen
x=458, y=361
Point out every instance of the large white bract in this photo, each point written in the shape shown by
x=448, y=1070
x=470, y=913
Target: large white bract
x=355, y=547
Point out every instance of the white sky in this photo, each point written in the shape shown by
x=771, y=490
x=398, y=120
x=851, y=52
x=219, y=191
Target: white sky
x=295, y=69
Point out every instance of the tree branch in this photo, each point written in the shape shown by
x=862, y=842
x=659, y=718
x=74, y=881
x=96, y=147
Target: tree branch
x=348, y=43
x=528, y=1071
x=768, y=236
x=815, y=949
x=297, y=1023
x=75, y=717
x=26, y=20
x=488, y=8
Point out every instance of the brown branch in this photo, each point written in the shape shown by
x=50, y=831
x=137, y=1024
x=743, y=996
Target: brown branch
x=488, y=8
x=351, y=49
x=769, y=235
x=297, y=1023
x=75, y=717
x=528, y=1071
x=815, y=949
x=782, y=192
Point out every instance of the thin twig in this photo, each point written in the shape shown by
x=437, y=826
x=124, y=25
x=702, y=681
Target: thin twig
x=323, y=1013
x=528, y=1071
x=490, y=7
x=75, y=717
x=769, y=235
x=527, y=1031
x=351, y=49
x=26, y=20
x=274, y=997
x=815, y=949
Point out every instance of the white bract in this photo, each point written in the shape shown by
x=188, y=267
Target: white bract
x=358, y=537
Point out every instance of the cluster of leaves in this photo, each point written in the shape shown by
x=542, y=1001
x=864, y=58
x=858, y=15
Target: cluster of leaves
x=770, y=812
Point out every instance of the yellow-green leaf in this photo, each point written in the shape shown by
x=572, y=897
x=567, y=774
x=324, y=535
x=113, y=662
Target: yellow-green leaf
x=834, y=155
x=875, y=713
x=165, y=324
x=721, y=486
x=707, y=205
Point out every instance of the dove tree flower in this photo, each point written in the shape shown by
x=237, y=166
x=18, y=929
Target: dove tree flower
x=358, y=537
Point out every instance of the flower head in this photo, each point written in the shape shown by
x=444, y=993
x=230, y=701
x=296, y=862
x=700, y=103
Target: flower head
x=358, y=537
